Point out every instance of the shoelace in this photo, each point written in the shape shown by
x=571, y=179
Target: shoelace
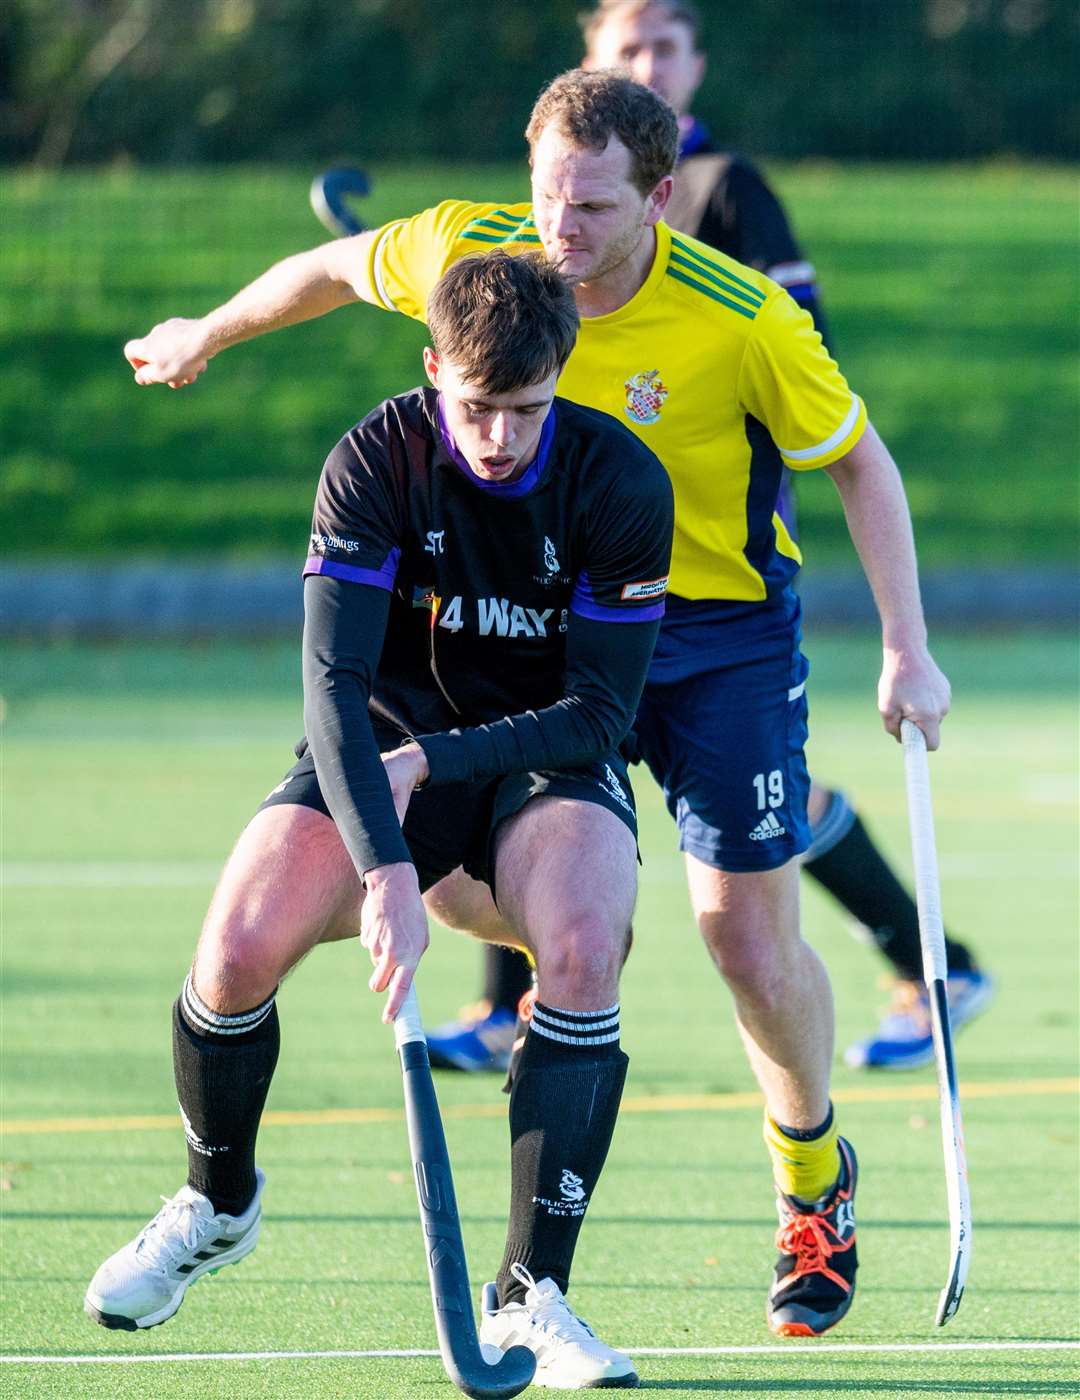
x=155, y=1245
x=805, y=1237
x=553, y=1315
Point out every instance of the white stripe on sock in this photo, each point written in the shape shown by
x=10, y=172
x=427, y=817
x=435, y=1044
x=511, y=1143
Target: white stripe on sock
x=207, y=1020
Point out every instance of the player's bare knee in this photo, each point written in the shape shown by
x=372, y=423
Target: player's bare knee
x=232, y=970
x=586, y=953
x=236, y=964
x=750, y=966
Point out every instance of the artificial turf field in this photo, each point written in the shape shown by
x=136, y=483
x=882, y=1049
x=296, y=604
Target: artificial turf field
x=128, y=773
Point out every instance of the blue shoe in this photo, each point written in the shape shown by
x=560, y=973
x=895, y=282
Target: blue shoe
x=904, y=1039
x=477, y=1046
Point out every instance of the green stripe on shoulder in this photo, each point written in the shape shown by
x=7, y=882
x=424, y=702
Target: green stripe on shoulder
x=511, y=227
x=724, y=286
x=709, y=292
x=701, y=263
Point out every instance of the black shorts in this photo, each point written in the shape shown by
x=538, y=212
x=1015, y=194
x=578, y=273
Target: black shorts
x=455, y=823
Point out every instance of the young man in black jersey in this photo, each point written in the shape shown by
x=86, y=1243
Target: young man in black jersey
x=482, y=596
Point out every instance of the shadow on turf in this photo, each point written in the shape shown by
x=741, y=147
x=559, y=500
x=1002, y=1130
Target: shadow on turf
x=595, y=1222
x=831, y=1386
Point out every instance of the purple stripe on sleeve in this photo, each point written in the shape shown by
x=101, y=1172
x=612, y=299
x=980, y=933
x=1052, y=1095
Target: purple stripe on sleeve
x=584, y=607
x=378, y=578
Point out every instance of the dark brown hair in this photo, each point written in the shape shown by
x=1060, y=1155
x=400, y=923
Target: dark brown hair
x=678, y=11
x=503, y=322
x=591, y=107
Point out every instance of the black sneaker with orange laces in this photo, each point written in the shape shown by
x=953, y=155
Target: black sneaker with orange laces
x=815, y=1274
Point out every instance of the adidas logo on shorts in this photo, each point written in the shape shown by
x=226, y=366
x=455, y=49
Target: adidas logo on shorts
x=767, y=828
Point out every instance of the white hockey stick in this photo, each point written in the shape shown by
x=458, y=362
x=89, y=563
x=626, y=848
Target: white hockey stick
x=935, y=974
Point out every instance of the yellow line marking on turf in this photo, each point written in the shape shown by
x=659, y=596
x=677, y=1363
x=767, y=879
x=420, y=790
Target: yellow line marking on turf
x=658, y=1103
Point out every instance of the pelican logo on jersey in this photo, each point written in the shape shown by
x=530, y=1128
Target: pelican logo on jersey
x=645, y=395
x=552, y=566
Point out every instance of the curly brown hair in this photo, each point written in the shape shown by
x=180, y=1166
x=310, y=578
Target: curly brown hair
x=589, y=107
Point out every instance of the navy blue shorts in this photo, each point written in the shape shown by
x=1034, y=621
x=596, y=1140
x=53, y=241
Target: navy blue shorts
x=455, y=823
x=723, y=726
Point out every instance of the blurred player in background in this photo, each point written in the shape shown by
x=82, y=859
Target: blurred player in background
x=485, y=585
x=718, y=370
x=720, y=198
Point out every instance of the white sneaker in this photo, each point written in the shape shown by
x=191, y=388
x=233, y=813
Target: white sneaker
x=144, y=1283
x=569, y=1355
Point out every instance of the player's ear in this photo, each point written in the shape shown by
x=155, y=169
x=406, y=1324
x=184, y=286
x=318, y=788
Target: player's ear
x=658, y=200
x=431, y=366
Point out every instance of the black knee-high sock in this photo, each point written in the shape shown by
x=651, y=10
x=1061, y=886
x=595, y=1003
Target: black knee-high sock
x=507, y=976
x=845, y=861
x=563, y=1108
x=223, y=1066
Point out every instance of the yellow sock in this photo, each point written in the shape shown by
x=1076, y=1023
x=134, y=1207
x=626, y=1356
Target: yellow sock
x=807, y=1170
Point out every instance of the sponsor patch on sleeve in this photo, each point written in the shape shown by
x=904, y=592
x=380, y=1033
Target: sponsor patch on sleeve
x=650, y=588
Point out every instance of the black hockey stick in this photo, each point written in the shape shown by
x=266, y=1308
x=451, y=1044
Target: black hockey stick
x=328, y=194
x=935, y=975
x=451, y=1295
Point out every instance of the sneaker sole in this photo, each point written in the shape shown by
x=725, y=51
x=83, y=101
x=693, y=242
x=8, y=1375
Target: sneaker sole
x=118, y=1321
x=855, y=1057
x=801, y=1322
x=628, y=1382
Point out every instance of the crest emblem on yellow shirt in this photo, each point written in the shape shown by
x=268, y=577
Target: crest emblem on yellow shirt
x=645, y=395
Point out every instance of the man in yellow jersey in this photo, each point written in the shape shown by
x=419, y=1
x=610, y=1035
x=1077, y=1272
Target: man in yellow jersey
x=724, y=377
x=723, y=200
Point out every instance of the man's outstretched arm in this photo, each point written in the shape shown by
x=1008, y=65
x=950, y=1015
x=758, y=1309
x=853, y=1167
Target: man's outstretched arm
x=296, y=289
x=911, y=685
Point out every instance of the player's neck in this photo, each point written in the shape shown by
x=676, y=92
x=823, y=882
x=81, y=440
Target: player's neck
x=615, y=288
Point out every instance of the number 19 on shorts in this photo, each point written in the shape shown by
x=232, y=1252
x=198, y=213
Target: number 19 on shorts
x=769, y=788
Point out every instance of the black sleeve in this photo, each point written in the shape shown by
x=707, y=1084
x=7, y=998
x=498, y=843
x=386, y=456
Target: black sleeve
x=344, y=626
x=747, y=214
x=606, y=664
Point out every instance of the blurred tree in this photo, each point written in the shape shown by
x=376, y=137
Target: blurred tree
x=227, y=80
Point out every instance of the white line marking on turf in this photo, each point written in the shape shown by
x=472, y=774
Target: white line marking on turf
x=791, y=1349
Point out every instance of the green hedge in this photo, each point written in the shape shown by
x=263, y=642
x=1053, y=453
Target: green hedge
x=158, y=81
x=951, y=291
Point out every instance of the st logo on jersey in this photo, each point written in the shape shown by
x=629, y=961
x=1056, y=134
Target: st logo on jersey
x=645, y=395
